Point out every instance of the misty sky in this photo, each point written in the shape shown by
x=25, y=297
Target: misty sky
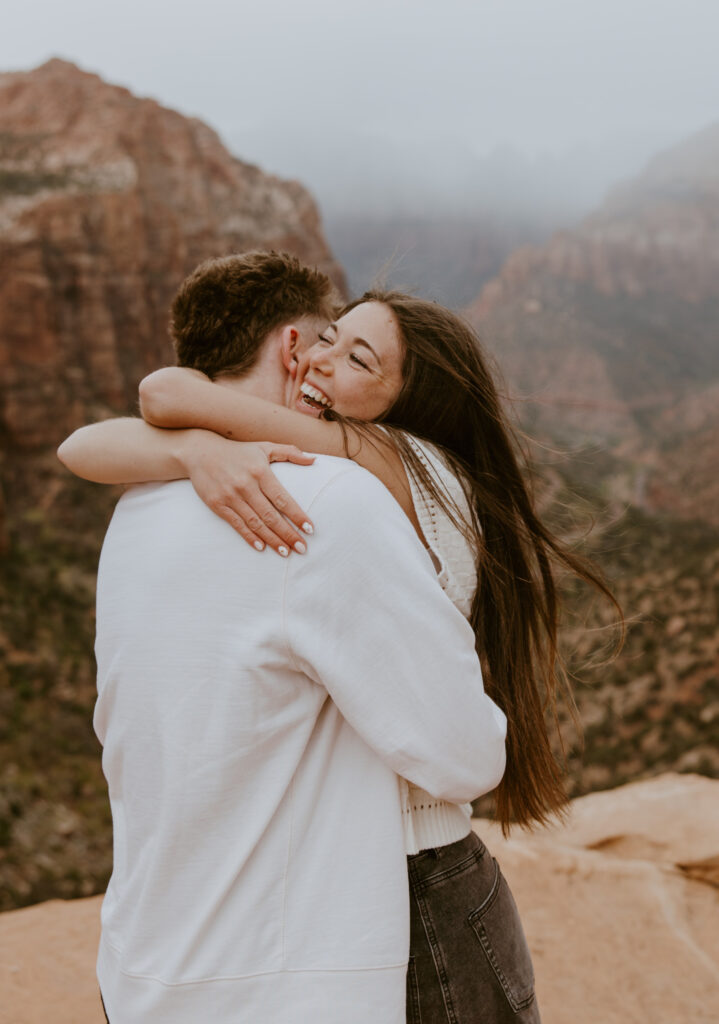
x=340, y=93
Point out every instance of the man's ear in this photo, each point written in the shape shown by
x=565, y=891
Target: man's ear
x=288, y=341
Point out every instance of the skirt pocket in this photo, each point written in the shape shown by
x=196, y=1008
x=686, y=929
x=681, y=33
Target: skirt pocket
x=498, y=927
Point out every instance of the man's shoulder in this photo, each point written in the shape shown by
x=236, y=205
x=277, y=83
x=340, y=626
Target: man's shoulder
x=139, y=496
x=345, y=490
x=335, y=478
x=146, y=505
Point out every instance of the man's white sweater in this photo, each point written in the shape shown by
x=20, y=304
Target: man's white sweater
x=255, y=714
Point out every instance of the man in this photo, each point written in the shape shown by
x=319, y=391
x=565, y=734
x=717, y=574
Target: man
x=255, y=714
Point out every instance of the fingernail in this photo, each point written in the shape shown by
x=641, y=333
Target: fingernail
x=300, y=548
x=283, y=551
x=259, y=545
x=308, y=528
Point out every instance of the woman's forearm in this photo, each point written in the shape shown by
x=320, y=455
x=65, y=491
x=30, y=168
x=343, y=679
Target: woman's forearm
x=124, y=451
x=233, y=479
x=177, y=397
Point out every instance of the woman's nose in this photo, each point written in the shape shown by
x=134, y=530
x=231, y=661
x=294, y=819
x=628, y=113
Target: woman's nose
x=320, y=359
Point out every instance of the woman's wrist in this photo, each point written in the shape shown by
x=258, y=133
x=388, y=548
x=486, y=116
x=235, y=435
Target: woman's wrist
x=189, y=447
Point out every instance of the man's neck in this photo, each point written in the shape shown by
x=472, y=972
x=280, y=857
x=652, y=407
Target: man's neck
x=253, y=385
x=267, y=379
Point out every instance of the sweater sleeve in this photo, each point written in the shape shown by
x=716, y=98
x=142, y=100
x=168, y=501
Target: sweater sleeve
x=366, y=619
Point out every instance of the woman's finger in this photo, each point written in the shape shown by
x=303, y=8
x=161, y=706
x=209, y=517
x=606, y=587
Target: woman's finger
x=286, y=453
x=299, y=457
x=284, y=502
x=266, y=522
x=237, y=523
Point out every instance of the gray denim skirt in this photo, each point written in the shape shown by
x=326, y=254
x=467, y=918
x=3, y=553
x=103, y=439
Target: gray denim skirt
x=469, y=960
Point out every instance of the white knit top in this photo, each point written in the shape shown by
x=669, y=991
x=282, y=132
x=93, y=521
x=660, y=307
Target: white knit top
x=429, y=822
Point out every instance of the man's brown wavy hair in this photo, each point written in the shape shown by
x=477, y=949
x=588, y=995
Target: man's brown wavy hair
x=225, y=309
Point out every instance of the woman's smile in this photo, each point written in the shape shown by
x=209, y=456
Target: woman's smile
x=312, y=399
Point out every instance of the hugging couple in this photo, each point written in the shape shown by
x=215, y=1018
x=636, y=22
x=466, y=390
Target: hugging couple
x=291, y=743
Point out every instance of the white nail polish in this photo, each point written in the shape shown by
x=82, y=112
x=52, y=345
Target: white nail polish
x=259, y=545
x=307, y=527
x=283, y=551
x=300, y=548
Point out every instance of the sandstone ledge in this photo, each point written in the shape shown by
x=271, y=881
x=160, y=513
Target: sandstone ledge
x=620, y=906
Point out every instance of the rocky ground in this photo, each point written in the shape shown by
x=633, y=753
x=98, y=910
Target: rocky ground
x=620, y=906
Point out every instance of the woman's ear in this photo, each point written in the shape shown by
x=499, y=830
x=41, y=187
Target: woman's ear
x=289, y=344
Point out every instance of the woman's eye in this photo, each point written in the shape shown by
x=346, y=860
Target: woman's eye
x=327, y=341
x=357, y=359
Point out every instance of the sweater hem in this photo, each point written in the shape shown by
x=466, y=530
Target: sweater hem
x=277, y=996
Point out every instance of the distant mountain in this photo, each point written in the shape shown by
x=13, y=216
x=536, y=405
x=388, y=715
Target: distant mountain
x=440, y=257
x=608, y=325
x=430, y=210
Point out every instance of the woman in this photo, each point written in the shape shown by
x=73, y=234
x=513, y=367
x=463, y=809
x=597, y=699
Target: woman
x=445, y=451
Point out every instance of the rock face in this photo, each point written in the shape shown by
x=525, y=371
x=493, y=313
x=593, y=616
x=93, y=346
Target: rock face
x=619, y=905
x=106, y=202
x=608, y=325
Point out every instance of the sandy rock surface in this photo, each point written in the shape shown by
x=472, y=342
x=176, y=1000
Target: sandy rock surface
x=620, y=905
x=47, y=963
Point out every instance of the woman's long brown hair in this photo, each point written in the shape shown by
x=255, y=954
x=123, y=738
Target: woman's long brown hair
x=449, y=398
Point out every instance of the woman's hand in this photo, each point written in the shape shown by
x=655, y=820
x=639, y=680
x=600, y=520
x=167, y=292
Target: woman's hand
x=234, y=479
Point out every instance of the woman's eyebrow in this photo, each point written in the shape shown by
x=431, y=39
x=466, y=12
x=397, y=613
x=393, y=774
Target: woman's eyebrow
x=361, y=341
x=358, y=341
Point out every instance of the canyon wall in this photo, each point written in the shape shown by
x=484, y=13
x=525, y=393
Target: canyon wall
x=107, y=201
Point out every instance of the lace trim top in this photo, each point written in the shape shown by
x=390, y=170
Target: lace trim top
x=429, y=822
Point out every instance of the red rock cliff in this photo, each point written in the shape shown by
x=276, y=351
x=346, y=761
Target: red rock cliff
x=106, y=202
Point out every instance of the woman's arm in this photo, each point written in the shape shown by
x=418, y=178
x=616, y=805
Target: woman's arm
x=233, y=479
x=177, y=397
x=123, y=451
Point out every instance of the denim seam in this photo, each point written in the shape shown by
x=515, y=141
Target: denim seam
x=475, y=920
x=435, y=949
x=413, y=1004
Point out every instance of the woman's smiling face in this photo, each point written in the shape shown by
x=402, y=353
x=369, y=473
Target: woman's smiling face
x=355, y=367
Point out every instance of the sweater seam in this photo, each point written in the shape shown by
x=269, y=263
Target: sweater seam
x=287, y=870
x=285, y=633
x=136, y=975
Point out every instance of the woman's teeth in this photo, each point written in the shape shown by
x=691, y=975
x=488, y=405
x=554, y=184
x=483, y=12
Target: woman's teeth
x=314, y=394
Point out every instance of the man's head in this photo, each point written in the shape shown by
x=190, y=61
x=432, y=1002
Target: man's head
x=227, y=308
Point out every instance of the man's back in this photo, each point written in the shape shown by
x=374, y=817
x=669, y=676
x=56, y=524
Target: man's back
x=258, y=860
